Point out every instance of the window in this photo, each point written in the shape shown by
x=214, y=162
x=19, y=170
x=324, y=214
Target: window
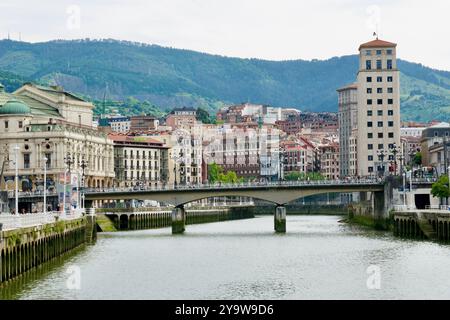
x=368, y=52
x=20, y=124
x=370, y=158
x=390, y=112
x=368, y=65
x=370, y=169
x=391, y=134
x=389, y=64
x=26, y=161
x=391, y=123
x=380, y=124
x=370, y=146
x=369, y=101
x=380, y=135
x=380, y=90
x=369, y=113
x=389, y=51
x=390, y=79
x=369, y=135
x=379, y=79
x=390, y=90
x=391, y=157
x=379, y=101
x=369, y=90
x=378, y=52
x=380, y=146
x=369, y=79
x=378, y=64
x=6, y=124
x=380, y=113
x=369, y=124
x=390, y=101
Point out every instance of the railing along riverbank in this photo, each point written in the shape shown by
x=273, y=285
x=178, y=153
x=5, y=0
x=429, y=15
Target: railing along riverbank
x=17, y=221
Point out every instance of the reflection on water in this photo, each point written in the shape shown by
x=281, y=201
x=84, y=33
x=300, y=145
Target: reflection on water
x=319, y=258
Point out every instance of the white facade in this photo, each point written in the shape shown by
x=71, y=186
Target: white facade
x=378, y=127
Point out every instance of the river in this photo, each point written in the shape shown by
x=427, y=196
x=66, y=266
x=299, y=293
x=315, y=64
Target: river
x=318, y=258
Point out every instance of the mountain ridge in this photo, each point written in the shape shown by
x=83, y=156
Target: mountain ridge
x=171, y=77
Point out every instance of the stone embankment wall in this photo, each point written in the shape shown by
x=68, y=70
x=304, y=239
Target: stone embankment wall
x=26, y=248
x=152, y=219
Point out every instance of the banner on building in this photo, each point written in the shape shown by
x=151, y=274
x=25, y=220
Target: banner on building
x=67, y=188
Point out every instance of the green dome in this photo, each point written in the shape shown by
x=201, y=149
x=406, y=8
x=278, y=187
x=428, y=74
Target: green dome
x=15, y=107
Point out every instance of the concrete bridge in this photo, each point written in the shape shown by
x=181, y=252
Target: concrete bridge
x=279, y=193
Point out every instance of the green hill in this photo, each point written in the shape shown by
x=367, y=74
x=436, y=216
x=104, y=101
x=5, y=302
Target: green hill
x=167, y=77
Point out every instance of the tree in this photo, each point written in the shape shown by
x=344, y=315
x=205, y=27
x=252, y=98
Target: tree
x=417, y=160
x=203, y=116
x=214, y=172
x=440, y=189
x=302, y=176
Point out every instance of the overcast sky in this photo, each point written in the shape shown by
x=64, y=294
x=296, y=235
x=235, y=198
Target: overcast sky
x=269, y=29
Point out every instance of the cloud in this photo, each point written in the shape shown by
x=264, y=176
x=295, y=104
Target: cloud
x=284, y=29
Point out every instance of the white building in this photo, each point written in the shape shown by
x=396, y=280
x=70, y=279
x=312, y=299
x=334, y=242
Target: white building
x=378, y=110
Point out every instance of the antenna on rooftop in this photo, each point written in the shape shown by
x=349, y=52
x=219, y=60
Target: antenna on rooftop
x=104, y=101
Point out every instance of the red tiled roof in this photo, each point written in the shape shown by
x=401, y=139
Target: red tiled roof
x=140, y=139
x=377, y=44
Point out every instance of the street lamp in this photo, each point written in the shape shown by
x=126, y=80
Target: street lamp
x=16, y=160
x=401, y=158
x=68, y=161
x=381, y=155
x=404, y=188
x=394, y=151
x=83, y=165
x=45, y=184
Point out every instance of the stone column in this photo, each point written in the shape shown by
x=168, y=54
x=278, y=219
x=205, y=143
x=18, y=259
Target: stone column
x=280, y=219
x=91, y=225
x=178, y=220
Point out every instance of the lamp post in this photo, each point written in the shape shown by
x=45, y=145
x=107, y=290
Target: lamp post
x=394, y=151
x=404, y=188
x=401, y=158
x=381, y=154
x=411, y=190
x=16, y=163
x=83, y=165
x=68, y=161
x=45, y=184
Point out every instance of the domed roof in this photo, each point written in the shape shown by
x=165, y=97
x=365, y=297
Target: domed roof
x=14, y=106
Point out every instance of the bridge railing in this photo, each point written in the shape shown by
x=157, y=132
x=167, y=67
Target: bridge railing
x=16, y=221
x=38, y=193
x=239, y=185
x=437, y=207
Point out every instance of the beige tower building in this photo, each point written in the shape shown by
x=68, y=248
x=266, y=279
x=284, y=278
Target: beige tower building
x=377, y=128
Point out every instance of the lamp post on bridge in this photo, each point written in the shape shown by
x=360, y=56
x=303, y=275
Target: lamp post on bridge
x=394, y=151
x=381, y=155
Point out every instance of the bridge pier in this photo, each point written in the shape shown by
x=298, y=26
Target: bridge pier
x=178, y=220
x=280, y=219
